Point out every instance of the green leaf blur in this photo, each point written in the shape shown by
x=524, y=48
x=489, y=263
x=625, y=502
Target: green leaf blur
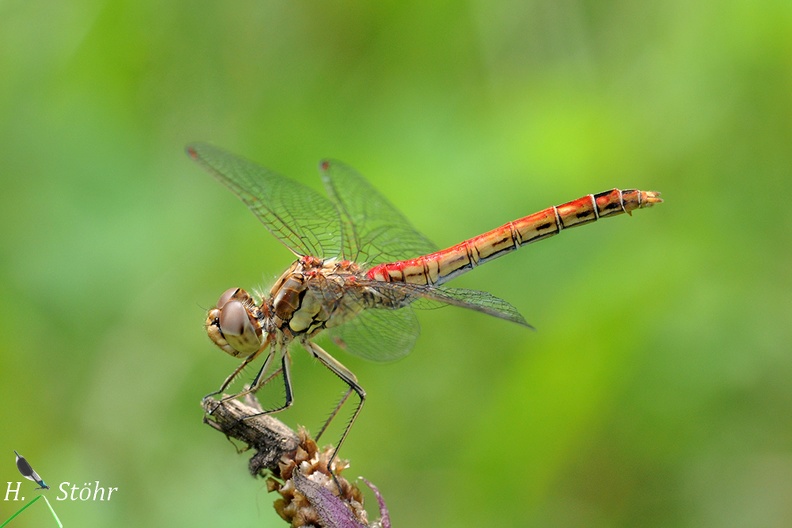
x=656, y=391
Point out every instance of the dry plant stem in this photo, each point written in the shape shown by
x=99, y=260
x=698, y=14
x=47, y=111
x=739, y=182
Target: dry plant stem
x=310, y=494
x=270, y=438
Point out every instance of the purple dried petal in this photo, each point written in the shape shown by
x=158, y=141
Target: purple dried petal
x=384, y=514
x=332, y=511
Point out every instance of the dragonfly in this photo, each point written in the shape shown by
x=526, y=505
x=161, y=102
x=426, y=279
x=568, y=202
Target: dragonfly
x=360, y=269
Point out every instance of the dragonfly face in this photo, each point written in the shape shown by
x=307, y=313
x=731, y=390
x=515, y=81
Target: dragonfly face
x=234, y=325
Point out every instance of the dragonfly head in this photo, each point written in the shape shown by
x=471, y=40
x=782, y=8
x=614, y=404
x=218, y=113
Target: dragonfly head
x=233, y=326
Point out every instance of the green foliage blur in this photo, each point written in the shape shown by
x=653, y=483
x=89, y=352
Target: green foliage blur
x=657, y=389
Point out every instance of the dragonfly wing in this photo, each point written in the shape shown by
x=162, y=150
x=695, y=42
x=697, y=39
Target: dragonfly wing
x=479, y=301
x=425, y=296
x=378, y=334
x=374, y=231
x=302, y=219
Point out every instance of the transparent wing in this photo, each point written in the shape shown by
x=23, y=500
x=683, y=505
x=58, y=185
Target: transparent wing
x=479, y=301
x=374, y=231
x=379, y=334
x=302, y=219
x=423, y=296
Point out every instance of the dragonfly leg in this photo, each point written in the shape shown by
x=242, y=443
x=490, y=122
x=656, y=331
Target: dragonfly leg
x=333, y=413
x=244, y=364
x=269, y=378
x=347, y=377
x=259, y=381
x=233, y=375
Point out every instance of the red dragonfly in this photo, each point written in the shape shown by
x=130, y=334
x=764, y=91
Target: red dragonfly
x=360, y=266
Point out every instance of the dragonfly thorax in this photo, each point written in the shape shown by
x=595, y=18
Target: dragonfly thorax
x=314, y=294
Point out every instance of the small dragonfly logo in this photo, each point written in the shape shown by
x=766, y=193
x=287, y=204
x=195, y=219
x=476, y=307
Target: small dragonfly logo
x=28, y=472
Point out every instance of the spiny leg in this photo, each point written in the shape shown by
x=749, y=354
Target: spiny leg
x=234, y=374
x=347, y=377
x=244, y=364
x=265, y=382
x=334, y=413
x=259, y=382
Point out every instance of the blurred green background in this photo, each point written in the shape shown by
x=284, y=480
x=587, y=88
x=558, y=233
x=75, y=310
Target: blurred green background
x=657, y=390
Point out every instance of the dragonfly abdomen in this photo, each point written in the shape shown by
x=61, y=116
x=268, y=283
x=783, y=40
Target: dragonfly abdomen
x=444, y=265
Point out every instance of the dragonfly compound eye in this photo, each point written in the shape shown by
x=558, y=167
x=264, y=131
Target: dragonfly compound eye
x=239, y=327
x=233, y=293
